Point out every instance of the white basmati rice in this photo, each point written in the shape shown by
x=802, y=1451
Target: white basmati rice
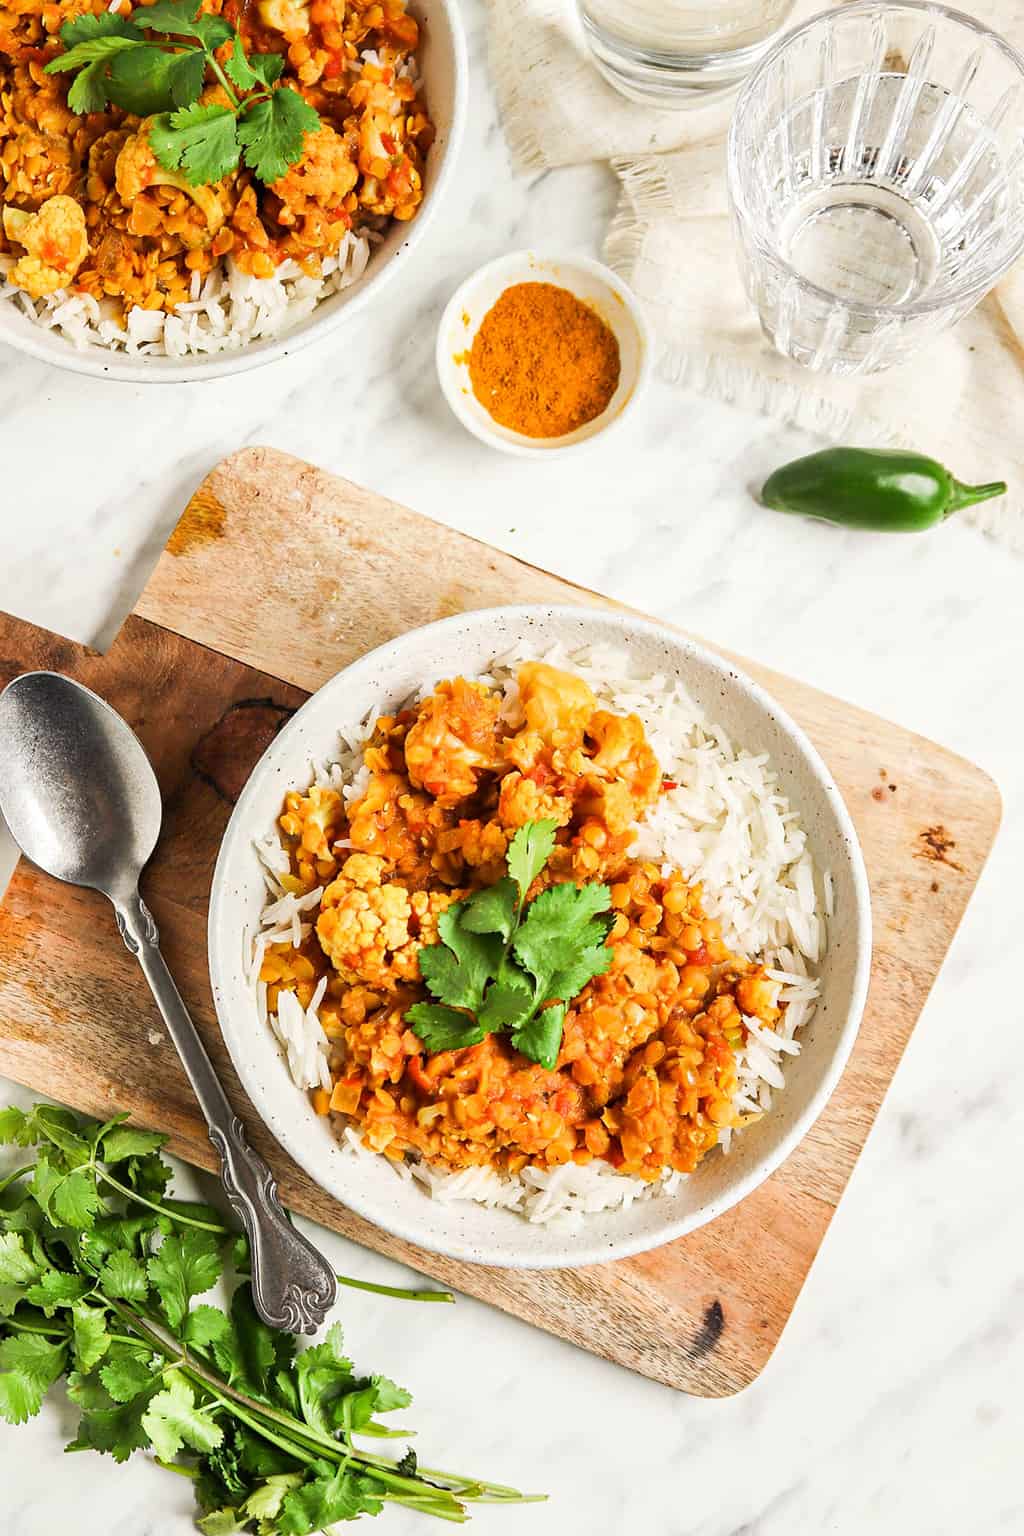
x=726, y=825
x=226, y=310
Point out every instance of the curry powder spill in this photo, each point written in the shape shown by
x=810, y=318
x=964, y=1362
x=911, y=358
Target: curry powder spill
x=543, y=363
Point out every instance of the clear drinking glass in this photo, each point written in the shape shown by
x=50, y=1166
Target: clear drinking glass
x=876, y=171
x=668, y=54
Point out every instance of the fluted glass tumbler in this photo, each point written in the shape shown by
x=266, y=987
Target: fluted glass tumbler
x=876, y=174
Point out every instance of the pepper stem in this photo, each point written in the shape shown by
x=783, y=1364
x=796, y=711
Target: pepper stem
x=970, y=495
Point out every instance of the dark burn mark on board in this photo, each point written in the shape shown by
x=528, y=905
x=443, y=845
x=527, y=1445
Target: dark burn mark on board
x=935, y=845
x=230, y=750
x=878, y=794
x=710, y=1330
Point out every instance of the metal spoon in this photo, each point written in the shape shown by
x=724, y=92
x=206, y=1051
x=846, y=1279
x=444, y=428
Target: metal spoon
x=82, y=802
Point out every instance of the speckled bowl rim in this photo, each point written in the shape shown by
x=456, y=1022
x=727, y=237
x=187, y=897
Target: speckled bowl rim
x=576, y=1248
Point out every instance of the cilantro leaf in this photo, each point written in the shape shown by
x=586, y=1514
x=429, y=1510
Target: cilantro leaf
x=529, y=851
x=181, y=1268
x=388, y=1395
x=222, y=1522
x=123, y=1277
x=17, y=1267
x=507, y=1003
x=262, y=1350
x=323, y=1373
x=93, y=50
x=117, y=1430
x=90, y=1337
x=200, y=141
x=272, y=133
x=238, y=69
x=492, y=910
x=76, y=1199
x=88, y=90
x=264, y=1503
x=457, y=969
x=331, y=1494
x=126, y=1372
x=29, y=1365
x=181, y=18
x=56, y=1289
x=50, y=1122
x=209, y=1329
x=540, y=1038
x=84, y=29
x=113, y=1233
x=443, y=1029
x=150, y=80
x=562, y=939
x=267, y=66
x=14, y=1127
x=124, y=1141
x=173, y=1420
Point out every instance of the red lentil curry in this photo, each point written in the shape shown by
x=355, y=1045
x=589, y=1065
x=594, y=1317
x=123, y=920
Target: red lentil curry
x=646, y=1073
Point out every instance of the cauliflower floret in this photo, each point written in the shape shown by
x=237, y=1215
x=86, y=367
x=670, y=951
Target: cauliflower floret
x=138, y=171
x=313, y=818
x=55, y=243
x=288, y=16
x=373, y=932
x=318, y=183
x=622, y=756
x=453, y=741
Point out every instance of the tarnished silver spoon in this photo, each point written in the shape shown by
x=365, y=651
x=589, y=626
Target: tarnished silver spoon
x=82, y=802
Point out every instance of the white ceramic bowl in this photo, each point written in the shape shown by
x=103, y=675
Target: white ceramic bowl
x=444, y=70
x=381, y=681
x=597, y=286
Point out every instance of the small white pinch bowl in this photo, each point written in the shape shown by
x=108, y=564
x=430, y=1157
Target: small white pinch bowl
x=589, y=281
x=370, y=1186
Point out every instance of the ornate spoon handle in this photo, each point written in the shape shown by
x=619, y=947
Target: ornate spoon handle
x=293, y=1286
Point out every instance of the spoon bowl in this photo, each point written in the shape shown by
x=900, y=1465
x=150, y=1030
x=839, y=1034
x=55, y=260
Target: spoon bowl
x=81, y=801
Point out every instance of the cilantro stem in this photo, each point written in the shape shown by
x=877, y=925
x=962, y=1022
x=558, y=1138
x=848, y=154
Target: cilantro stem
x=211, y=59
x=394, y=1290
x=172, y=1466
x=378, y=1290
x=161, y=1210
x=19, y=1173
x=46, y=1333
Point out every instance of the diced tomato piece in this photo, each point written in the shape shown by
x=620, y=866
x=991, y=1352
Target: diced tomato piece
x=414, y=1067
x=669, y=784
x=698, y=956
x=333, y=67
x=388, y=140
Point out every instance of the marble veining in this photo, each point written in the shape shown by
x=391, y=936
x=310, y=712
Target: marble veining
x=892, y=1405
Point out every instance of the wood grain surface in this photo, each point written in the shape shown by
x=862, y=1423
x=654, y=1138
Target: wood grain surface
x=277, y=576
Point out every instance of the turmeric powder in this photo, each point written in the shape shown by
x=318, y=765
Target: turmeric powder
x=542, y=362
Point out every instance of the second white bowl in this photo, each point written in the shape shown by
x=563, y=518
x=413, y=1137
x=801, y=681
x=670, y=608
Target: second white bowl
x=589, y=281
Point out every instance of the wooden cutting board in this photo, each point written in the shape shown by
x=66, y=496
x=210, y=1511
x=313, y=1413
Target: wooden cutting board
x=278, y=575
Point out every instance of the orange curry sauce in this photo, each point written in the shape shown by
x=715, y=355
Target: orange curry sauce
x=646, y=1073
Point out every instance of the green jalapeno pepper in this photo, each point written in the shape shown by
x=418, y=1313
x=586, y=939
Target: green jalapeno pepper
x=885, y=489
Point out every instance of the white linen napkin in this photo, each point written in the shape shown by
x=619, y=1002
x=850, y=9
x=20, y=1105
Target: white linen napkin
x=961, y=399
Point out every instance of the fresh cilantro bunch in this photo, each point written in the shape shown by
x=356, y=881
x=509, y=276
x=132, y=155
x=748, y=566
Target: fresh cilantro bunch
x=115, y=60
x=507, y=965
x=99, y=1274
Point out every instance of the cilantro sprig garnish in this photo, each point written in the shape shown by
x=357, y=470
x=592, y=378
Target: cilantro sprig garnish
x=100, y=1271
x=505, y=965
x=117, y=60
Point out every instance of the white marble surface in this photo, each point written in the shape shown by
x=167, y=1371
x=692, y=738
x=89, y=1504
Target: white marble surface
x=893, y=1402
